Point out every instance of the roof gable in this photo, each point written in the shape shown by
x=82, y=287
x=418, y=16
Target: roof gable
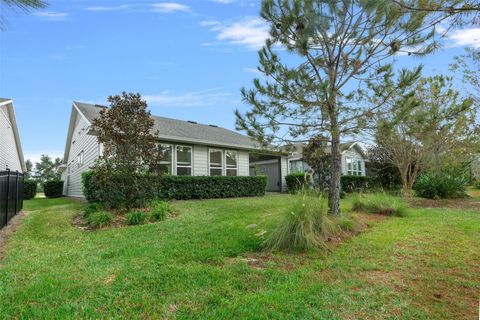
x=11, y=114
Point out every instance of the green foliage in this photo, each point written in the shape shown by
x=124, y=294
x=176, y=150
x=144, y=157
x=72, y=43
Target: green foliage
x=29, y=189
x=476, y=184
x=109, y=190
x=91, y=208
x=53, y=188
x=346, y=224
x=129, y=154
x=47, y=169
x=379, y=166
x=136, y=217
x=159, y=210
x=441, y=186
x=297, y=181
x=305, y=226
x=100, y=219
x=357, y=183
x=380, y=203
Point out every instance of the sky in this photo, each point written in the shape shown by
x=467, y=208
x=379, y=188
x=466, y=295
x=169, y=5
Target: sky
x=189, y=59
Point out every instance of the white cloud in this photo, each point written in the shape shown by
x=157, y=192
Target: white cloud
x=51, y=15
x=189, y=99
x=108, y=8
x=252, y=71
x=464, y=37
x=250, y=32
x=169, y=7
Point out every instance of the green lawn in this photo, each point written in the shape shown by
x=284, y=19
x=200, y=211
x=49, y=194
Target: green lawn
x=202, y=264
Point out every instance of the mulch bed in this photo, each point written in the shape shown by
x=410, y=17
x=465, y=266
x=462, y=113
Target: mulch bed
x=468, y=203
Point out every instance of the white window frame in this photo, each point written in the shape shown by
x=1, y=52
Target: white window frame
x=173, y=149
x=184, y=166
x=354, y=171
x=80, y=158
x=222, y=164
x=225, y=161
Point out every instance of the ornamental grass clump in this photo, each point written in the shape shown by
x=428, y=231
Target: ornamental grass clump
x=305, y=226
x=100, y=219
x=136, y=217
x=159, y=211
x=380, y=203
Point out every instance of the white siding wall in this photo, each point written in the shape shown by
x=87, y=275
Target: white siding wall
x=81, y=141
x=8, y=148
x=243, y=163
x=200, y=160
x=284, y=171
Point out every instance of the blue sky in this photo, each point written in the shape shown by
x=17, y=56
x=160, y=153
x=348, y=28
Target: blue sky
x=188, y=58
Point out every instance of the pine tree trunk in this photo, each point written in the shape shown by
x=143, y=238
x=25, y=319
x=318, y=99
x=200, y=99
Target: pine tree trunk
x=335, y=175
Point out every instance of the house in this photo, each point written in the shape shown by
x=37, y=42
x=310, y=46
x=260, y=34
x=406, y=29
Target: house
x=353, y=159
x=11, y=155
x=188, y=148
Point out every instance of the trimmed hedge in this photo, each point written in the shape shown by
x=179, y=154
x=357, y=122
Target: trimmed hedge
x=29, y=189
x=53, y=188
x=150, y=187
x=357, y=183
x=297, y=181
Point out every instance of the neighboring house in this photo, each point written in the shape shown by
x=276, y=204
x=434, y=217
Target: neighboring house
x=353, y=159
x=11, y=155
x=188, y=148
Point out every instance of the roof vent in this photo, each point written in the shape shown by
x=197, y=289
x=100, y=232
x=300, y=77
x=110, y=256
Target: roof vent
x=212, y=125
x=189, y=121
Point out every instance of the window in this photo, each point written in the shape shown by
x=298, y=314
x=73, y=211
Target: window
x=80, y=159
x=354, y=167
x=215, y=160
x=184, y=161
x=231, y=163
x=165, y=152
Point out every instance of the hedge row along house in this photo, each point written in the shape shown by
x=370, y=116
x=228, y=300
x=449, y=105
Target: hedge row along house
x=188, y=148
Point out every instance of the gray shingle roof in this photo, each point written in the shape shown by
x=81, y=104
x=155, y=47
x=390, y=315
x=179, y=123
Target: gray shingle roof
x=184, y=131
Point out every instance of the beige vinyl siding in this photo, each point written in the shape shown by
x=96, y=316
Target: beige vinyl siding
x=200, y=160
x=284, y=172
x=81, y=141
x=243, y=163
x=8, y=148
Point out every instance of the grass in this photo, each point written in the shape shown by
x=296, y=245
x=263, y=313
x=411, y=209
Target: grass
x=203, y=264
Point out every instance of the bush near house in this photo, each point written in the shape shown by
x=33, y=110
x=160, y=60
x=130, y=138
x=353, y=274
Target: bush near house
x=297, y=181
x=357, y=183
x=441, y=186
x=150, y=187
x=53, y=188
x=29, y=189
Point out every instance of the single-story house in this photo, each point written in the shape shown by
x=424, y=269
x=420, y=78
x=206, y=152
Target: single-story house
x=188, y=148
x=353, y=159
x=11, y=155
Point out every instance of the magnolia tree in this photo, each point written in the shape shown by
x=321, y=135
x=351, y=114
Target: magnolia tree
x=129, y=146
x=340, y=54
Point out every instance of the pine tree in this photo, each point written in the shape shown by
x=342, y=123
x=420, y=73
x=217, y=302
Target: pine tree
x=342, y=56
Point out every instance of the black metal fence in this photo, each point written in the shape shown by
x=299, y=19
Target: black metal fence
x=11, y=195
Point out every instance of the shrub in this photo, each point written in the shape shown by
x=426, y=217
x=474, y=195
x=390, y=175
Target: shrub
x=91, y=208
x=159, y=210
x=380, y=203
x=357, y=183
x=305, y=226
x=53, y=188
x=29, y=189
x=100, y=219
x=297, y=181
x=476, y=184
x=107, y=190
x=441, y=186
x=136, y=217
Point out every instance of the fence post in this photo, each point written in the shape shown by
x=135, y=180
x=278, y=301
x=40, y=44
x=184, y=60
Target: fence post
x=16, y=193
x=8, y=192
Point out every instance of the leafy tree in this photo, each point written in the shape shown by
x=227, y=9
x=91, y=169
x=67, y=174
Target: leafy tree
x=315, y=155
x=469, y=65
x=380, y=166
x=46, y=169
x=342, y=55
x=439, y=130
x=29, y=166
x=129, y=144
x=24, y=5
